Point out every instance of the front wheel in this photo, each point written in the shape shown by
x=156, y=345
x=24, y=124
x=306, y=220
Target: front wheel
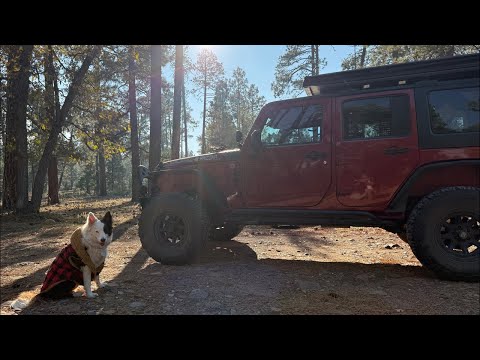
x=444, y=232
x=172, y=228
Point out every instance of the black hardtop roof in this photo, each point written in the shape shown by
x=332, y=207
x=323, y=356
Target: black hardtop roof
x=449, y=68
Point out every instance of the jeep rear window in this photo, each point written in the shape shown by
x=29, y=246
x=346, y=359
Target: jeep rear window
x=454, y=110
x=376, y=117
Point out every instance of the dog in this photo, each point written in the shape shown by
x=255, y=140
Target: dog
x=81, y=261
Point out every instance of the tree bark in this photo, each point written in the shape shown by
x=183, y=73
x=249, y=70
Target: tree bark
x=61, y=174
x=155, y=151
x=362, y=57
x=53, y=197
x=132, y=100
x=2, y=130
x=60, y=117
x=53, y=181
x=204, y=110
x=317, y=60
x=112, y=178
x=177, y=102
x=451, y=50
x=102, y=176
x=97, y=175
x=312, y=48
x=15, y=180
x=185, y=133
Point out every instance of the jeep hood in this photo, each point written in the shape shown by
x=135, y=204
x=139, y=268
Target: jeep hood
x=222, y=156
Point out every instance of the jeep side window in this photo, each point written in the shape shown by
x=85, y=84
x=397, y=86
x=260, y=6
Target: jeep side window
x=454, y=110
x=376, y=117
x=295, y=125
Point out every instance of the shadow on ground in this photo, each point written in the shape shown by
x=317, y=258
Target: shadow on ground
x=230, y=279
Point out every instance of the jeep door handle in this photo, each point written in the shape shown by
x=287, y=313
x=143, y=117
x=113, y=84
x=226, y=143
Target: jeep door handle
x=315, y=155
x=395, y=150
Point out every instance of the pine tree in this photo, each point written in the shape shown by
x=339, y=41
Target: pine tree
x=208, y=71
x=297, y=62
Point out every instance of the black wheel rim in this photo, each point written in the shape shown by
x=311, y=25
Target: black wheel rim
x=169, y=229
x=460, y=235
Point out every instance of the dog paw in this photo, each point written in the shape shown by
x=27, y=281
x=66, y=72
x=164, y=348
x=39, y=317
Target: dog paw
x=92, y=295
x=77, y=294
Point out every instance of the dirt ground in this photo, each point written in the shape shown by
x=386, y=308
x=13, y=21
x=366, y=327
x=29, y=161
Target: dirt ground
x=311, y=270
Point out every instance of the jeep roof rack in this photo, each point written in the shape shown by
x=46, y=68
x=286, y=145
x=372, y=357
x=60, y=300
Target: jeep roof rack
x=396, y=75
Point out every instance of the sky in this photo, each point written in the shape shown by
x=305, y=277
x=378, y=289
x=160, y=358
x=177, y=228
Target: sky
x=259, y=63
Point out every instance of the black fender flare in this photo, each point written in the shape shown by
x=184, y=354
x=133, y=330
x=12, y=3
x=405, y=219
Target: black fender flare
x=207, y=190
x=399, y=201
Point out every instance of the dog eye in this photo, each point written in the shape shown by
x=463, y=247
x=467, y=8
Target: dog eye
x=96, y=232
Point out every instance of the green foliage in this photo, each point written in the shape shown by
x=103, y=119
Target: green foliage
x=87, y=180
x=220, y=131
x=377, y=55
x=235, y=106
x=207, y=71
x=98, y=121
x=293, y=65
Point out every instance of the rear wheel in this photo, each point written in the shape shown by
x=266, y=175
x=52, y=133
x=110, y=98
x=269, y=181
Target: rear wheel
x=444, y=233
x=226, y=232
x=172, y=228
x=403, y=236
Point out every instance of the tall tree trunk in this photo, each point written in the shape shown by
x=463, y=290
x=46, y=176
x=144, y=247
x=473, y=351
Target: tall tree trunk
x=317, y=60
x=451, y=50
x=132, y=100
x=2, y=129
x=155, y=151
x=312, y=48
x=239, y=121
x=60, y=117
x=110, y=174
x=71, y=176
x=2, y=122
x=185, y=133
x=32, y=175
x=15, y=179
x=102, y=177
x=362, y=57
x=21, y=130
x=204, y=109
x=53, y=181
x=64, y=165
x=53, y=197
x=177, y=102
x=97, y=175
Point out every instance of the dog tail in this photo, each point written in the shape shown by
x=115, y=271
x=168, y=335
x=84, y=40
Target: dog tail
x=25, y=300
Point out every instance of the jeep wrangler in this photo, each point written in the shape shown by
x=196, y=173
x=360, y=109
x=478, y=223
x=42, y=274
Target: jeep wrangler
x=395, y=147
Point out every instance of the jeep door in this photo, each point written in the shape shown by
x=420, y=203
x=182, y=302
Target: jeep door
x=376, y=146
x=286, y=159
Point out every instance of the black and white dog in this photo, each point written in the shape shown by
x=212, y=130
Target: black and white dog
x=82, y=260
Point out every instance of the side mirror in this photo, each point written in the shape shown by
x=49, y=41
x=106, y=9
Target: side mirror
x=238, y=136
x=256, y=141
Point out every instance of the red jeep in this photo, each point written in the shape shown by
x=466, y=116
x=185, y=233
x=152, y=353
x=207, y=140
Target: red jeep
x=396, y=147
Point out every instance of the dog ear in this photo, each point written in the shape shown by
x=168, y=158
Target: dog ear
x=107, y=218
x=91, y=218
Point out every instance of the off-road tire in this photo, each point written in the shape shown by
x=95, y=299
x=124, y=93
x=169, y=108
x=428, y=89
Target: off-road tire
x=424, y=232
x=196, y=228
x=225, y=233
x=403, y=236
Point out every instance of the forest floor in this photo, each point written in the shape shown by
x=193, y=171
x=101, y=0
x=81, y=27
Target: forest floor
x=310, y=270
